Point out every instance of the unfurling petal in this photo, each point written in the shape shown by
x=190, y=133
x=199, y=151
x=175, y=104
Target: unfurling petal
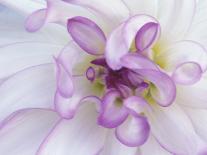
x=113, y=112
x=87, y=34
x=163, y=90
x=134, y=131
x=187, y=73
x=147, y=36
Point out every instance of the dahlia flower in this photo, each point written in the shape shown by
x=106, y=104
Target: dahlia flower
x=121, y=77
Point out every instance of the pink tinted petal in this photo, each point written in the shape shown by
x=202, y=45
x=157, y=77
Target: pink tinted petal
x=87, y=35
x=134, y=24
x=113, y=113
x=163, y=90
x=147, y=36
x=65, y=84
x=137, y=61
x=36, y=20
x=187, y=73
x=182, y=52
x=134, y=131
x=115, y=48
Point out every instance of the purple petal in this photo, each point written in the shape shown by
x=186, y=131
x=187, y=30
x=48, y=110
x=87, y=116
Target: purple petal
x=113, y=113
x=134, y=131
x=137, y=61
x=164, y=89
x=134, y=25
x=147, y=36
x=87, y=35
x=65, y=84
x=187, y=73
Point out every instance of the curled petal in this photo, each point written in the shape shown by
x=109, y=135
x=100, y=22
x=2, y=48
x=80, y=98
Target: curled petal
x=147, y=36
x=134, y=131
x=187, y=73
x=113, y=113
x=182, y=52
x=87, y=34
x=65, y=84
x=137, y=61
x=163, y=90
x=135, y=24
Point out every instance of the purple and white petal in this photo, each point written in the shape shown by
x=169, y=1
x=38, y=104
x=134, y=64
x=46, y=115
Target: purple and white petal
x=182, y=52
x=187, y=73
x=23, y=131
x=113, y=146
x=64, y=80
x=33, y=87
x=176, y=133
x=87, y=34
x=163, y=89
x=69, y=135
x=134, y=131
x=134, y=24
x=137, y=61
x=147, y=36
x=113, y=112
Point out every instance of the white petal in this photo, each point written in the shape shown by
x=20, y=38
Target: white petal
x=78, y=136
x=20, y=56
x=141, y=7
x=23, y=132
x=113, y=147
x=194, y=95
x=174, y=131
x=175, y=17
x=152, y=146
x=24, y=6
x=31, y=88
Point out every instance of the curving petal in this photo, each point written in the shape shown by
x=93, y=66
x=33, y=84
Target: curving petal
x=67, y=106
x=152, y=145
x=136, y=24
x=134, y=131
x=24, y=130
x=187, y=73
x=19, y=56
x=197, y=93
x=113, y=147
x=80, y=135
x=113, y=112
x=54, y=14
x=163, y=89
x=176, y=133
x=147, y=36
x=87, y=34
x=31, y=88
x=181, y=52
x=148, y=7
x=64, y=80
x=137, y=61
x=175, y=17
